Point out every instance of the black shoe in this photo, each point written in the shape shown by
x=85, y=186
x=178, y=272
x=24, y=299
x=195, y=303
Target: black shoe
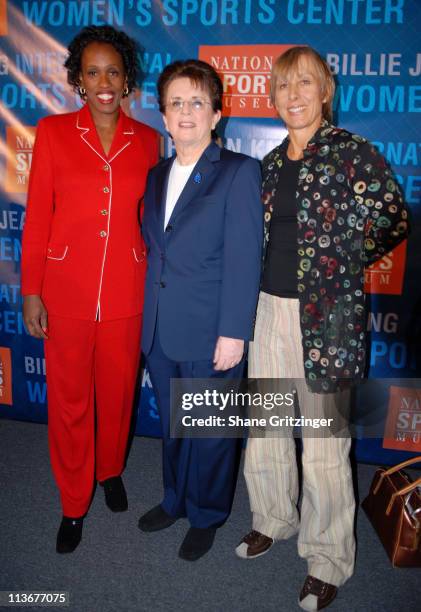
x=69, y=534
x=196, y=543
x=115, y=494
x=155, y=520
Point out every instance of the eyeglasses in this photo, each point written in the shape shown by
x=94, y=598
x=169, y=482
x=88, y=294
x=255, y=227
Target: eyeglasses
x=196, y=104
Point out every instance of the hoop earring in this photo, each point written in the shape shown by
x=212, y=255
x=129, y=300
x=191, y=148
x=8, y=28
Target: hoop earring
x=126, y=91
x=82, y=91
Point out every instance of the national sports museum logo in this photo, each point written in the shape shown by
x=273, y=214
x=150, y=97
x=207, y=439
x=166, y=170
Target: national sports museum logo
x=386, y=275
x=3, y=17
x=245, y=74
x=403, y=423
x=5, y=376
x=20, y=143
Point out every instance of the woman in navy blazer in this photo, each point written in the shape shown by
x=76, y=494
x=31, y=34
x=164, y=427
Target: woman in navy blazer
x=203, y=227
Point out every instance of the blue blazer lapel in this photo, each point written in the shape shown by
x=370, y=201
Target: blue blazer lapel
x=161, y=186
x=198, y=180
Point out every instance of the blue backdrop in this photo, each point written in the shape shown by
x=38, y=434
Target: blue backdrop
x=373, y=49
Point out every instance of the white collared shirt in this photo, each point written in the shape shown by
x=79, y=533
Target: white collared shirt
x=179, y=175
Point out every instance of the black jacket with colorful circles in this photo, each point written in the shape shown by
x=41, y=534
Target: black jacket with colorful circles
x=350, y=213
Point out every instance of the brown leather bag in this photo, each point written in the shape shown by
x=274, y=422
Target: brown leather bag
x=393, y=506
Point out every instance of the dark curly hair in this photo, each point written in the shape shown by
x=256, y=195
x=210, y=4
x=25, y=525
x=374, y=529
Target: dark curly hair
x=201, y=73
x=122, y=43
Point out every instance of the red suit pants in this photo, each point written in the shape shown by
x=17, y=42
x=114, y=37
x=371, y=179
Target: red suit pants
x=91, y=375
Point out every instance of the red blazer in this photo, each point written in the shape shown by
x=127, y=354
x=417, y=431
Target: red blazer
x=82, y=249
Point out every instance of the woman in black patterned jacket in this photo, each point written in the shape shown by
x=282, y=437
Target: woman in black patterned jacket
x=332, y=207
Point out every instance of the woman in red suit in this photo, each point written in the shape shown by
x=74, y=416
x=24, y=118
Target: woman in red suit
x=83, y=267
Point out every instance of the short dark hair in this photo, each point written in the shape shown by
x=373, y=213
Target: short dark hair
x=123, y=44
x=201, y=73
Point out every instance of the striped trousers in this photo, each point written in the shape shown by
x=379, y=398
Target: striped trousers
x=325, y=531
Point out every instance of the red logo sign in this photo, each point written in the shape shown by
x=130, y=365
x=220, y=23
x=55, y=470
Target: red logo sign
x=386, y=275
x=5, y=376
x=403, y=423
x=3, y=17
x=245, y=73
x=20, y=142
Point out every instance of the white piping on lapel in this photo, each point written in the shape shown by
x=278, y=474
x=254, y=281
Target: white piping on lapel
x=126, y=133
x=87, y=129
x=118, y=152
x=80, y=127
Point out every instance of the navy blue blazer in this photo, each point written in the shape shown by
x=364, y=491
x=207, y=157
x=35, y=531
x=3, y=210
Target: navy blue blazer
x=203, y=271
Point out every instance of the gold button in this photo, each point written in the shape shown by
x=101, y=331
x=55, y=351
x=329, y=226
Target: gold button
x=104, y=211
x=106, y=190
x=102, y=234
x=106, y=167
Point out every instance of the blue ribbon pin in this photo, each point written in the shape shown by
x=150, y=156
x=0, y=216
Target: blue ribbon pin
x=197, y=178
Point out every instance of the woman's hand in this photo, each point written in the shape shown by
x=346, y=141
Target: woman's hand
x=228, y=353
x=35, y=316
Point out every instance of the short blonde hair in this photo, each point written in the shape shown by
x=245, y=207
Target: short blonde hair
x=288, y=62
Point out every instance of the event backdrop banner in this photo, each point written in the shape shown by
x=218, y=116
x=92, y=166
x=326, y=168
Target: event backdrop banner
x=373, y=49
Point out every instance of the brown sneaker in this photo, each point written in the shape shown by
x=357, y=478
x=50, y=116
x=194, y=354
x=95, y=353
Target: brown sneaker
x=253, y=545
x=316, y=594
